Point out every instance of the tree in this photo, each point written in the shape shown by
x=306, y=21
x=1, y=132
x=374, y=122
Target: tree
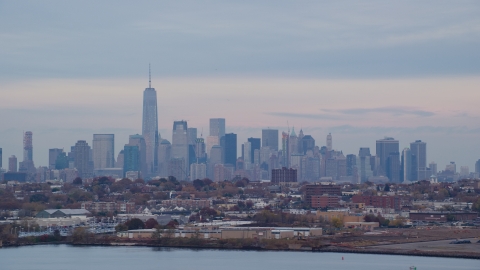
x=121, y=227
x=135, y=224
x=172, y=224
x=77, y=181
x=387, y=188
x=151, y=223
x=38, y=198
x=337, y=222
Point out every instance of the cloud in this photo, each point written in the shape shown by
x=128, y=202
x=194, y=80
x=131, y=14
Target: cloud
x=304, y=115
x=395, y=111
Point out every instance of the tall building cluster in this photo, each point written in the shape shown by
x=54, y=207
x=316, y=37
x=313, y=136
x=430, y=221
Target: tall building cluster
x=279, y=156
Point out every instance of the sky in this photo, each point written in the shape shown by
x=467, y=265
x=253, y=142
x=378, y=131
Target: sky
x=360, y=70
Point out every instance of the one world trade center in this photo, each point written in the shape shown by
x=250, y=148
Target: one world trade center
x=150, y=126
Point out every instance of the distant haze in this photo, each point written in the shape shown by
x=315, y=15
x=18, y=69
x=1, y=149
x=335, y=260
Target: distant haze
x=408, y=70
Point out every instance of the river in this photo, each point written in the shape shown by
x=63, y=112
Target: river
x=65, y=257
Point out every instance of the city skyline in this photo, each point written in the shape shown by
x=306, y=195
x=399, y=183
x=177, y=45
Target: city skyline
x=376, y=70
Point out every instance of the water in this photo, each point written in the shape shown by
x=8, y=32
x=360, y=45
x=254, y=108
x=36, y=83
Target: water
x=62, y=257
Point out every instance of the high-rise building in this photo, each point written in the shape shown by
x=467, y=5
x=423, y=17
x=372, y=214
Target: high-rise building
x=82, y=159
x=198, y=171
x=247, y=153
x=464, y=171
x=200, y=154
x=120, y=160
x=477, y=166
x=433, y=168
x=150, y=127
x=230, y=149
x=385, y=148
x=270, y=138
x=211, y=141
x=12, y=164
x=255, y=144
x=351, y=164
x=27, y=164
x=406, y=165
x=103, y=151
x=164, y=156
x=192, y=135
x=419, y=160
x=139, y=141
x=131, y=159
x=329, y=142
x=217, y=127
x=308, y=143
x=180, y=148
x=1, y=158
x=52, y=156
x=393, y=167
x=364, y=151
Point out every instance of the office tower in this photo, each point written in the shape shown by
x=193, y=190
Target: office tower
x=464, y=171
x=62, y=162
x=27, y=146
x=52, y=156
x=433, y=168
x=285, y=150
x=351, y=163
x=217, y=127
x=255, y=144
x=200, y=154
x=270, y=138
x=393, y=167
x=198, y=171
x=406, y=166
x=192, y=135
x=131, y=159
x=12, y=164
x=308, y=143
x=180, y=147
x=329, y=142
x=164, y=156
x=139, y=141
x=120, y=160
x=247, y=153
x=283, y=176
x=103, y=151
x=1, y=158
x=176, y=168
x=293, y=143
x=452, y=167
x=150, y=127
x=364, y=151
x=419, y=160
x=82, y=159
x=230, y=149
x=211, y=141
x=477, y=166
x=385, y=148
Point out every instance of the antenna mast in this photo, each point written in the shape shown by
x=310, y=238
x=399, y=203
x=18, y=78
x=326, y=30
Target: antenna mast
x=149, y=77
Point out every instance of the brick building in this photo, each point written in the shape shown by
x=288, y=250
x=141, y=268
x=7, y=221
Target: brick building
x=284, y=175
x=311, y=190
x=322, y=201
x=106, y=207
x=378, y=201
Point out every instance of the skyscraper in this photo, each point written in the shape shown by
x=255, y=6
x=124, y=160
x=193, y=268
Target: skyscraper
x=12, y=164
x=270, y=138
x=164, y=156
x=255, y=144
x=406, y=165
x=52, y=156
x=150, y=127
x=217, y=127
x=385, y=147
x=131, y=159
x=82, y=159
x=180, y=147
x=1, y=158
x=477, y=166
x=329, y=142
x=103, y=151
x=139, y=141
x=230, y=149
x=27, y=146
x=419, y=160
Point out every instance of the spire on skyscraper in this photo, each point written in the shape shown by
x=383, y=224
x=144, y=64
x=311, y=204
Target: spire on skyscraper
x=149, y=77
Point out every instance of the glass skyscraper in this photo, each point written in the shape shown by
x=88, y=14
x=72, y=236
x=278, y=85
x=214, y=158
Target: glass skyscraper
x=150, y=128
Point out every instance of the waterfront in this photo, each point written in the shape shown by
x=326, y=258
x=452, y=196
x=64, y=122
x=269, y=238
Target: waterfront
x=60, y=257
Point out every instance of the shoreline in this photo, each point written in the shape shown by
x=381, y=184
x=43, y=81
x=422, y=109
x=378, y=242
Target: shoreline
x=327, y=249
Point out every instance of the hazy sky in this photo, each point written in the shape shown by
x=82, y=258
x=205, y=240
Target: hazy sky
x=406, y=69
